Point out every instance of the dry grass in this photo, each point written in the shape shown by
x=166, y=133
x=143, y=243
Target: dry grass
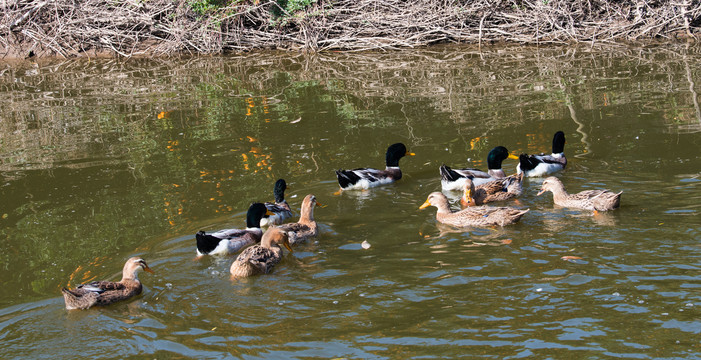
x=163, y=27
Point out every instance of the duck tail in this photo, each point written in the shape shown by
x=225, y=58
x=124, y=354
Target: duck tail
x=448, y=174
x=527, y=162
x=205, y=242
x=346, y=178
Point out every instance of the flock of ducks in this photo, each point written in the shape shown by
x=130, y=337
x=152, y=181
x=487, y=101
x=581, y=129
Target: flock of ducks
x=264, y=250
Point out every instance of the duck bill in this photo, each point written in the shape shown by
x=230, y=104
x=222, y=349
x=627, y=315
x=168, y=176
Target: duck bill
x=269, y=213
x=410, y=154
x=540, y=192
x=148, y=269
x=467, y=197
x=424, y=205
x=320, y=204
x=287, y=246
x=512, y=156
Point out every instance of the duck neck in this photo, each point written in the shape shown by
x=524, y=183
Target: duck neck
x=253, y=221
x=443, y=206
x=279, y=195
x=130, y=275
x=559, y=192
x=559, y=142
x=307, y=215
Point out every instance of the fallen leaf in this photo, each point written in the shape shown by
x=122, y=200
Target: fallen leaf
x=365, y=244
x=506, y=241
x=568, y=258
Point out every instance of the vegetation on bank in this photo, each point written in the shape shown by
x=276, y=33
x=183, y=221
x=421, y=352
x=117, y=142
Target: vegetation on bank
x=162, y=27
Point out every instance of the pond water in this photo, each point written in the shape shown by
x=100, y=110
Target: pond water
x=101, y=160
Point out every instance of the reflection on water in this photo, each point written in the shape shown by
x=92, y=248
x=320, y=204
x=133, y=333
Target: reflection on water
x=102, y=160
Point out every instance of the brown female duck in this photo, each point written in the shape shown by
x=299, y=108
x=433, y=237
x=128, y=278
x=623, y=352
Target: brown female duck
x=107, y=292
x=600, y=200
x=497, y=190
x=472, y=216
x=306, y=227
x=260, y=259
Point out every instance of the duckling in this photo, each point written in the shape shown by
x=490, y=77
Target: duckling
x=279, y=208
x=107, y=292
x=496, y=190
x=365, y=178
x=229, y=241
x=540, y=165
x=454, y=179
x=472, y=216
x=306, y=227
x=598, y=200
x=260, y=259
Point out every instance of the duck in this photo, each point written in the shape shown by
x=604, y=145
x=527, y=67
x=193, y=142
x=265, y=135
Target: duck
x=496, y=190
x=261, y=258
x=454, y=179
x=365, y=178
x=472, y=216
x=229, y=241
x=597, y=200
x=100, y=293
x=541, y=165
x=306, y=227
x=279, y=208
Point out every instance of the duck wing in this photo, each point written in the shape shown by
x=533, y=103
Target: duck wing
x=298, y=232
x=454, y=179
x=281, y=210
x=539, y=165
x=364, y=178
x=255, y=260
x=226, y=241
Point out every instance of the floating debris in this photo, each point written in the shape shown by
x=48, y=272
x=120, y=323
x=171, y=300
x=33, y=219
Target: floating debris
x=570, y=258
x=365, y=244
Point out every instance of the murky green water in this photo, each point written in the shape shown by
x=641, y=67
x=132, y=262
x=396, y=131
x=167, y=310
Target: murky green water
x=103, y=160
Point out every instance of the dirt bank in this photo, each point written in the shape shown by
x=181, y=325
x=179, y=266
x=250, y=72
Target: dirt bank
x=68, y=28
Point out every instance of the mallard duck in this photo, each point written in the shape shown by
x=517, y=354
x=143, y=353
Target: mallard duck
x=496, y=190
x=260, y=259
x=540, y=165
x=107, y=292
x=279, y=208
x=229, y=241
x=472, y=216
x=454, y=179
x=306, y=226
x=600, y=200
x=365, y=178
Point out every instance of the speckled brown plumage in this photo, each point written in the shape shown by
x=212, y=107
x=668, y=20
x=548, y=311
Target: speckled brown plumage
x=600, y=200
x=260, y=259
x=472, y=216
x=306, y=227
x=497, y=190
x=99, y=293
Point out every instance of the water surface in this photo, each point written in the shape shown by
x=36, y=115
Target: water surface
x=101, y=160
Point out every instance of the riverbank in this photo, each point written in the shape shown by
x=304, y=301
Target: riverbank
x=166, y=27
